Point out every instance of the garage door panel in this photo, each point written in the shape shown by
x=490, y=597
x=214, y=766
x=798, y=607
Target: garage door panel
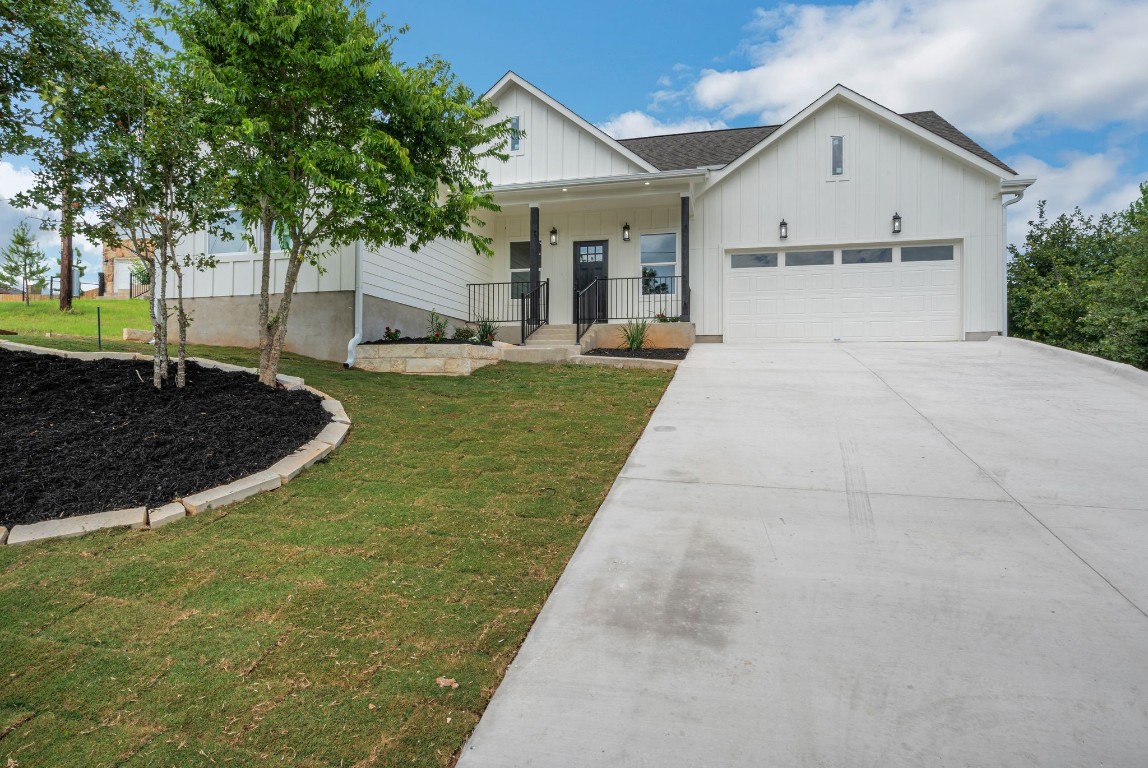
x=883, y=301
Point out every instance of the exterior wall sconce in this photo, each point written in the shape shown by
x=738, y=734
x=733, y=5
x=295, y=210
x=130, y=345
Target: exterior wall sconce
x=554, y=235
x=626, y=232
x=783, y=230
x=896, y=223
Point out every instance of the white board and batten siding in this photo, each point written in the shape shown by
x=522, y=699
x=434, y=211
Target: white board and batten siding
x=554, y=147
x=940, y=197
x=240, y=274
x=434, y=278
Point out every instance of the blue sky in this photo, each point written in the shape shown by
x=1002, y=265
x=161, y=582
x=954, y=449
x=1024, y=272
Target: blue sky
x=1056, y=88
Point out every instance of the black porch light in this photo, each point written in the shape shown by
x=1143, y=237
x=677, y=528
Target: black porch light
x=783, y=230
x=554, y=235
x=626, y=232
x=896, y=223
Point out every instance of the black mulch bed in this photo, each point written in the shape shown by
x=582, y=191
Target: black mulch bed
x=424, y=340
x=672, y=353
x=89, y=436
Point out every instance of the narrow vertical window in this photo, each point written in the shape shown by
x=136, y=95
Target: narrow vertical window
x=837, y=150
x=515, y=134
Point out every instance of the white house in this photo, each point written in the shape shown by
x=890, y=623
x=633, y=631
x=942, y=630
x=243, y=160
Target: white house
x=847, y=222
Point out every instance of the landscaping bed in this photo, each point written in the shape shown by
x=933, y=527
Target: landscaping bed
x=641, y=354
x=92, y=436
x=424, y=340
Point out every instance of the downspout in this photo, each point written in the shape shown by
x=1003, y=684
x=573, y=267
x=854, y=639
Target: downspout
x=1016, y=198
x=353, y=344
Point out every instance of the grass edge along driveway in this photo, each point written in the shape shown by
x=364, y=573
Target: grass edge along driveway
x=308, y=626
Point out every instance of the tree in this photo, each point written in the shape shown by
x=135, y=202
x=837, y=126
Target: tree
x=329, y=141
x=23, y=262
x=1082, y=283
x=53, y=55
x=152, y=182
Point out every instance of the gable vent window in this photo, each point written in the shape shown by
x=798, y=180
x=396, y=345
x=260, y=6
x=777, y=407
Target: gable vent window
x=837, y=153
x=516, y=134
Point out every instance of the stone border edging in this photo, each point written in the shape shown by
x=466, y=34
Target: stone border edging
x=625, y=362
x=278, y=474
x=1121, y=370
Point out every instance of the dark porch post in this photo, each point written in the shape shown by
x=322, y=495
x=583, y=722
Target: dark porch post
x=535, y=261
x=685, y=235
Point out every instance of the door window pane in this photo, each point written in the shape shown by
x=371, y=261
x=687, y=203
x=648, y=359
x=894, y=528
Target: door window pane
x=867, y=256
x=752, y=260
x=927, y=253
x=808, y=258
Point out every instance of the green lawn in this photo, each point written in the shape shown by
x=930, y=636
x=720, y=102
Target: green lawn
x=42, y=317
x=307, y=626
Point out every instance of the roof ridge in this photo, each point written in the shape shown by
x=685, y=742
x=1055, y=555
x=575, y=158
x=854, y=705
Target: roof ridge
x=695, y=133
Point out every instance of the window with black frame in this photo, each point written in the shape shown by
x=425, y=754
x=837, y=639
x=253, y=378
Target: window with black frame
x=519, y=269
x=659, y=262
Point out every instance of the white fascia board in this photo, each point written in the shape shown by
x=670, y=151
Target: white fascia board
x=512, y=78
x=1016, y=185
x=643, y=179
x=873, y=108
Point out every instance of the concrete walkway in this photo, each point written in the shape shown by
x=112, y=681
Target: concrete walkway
x=854, y=555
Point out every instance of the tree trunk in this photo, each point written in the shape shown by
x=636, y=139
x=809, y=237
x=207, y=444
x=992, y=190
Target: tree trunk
x=269, y=358
x=182, y=319
x=159, y=299
x=66, y=251
x=27, y=296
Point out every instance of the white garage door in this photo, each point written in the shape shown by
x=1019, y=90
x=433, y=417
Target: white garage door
x=886, y=293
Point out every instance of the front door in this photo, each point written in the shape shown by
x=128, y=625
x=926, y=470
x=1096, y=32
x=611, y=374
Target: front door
x=591, y=262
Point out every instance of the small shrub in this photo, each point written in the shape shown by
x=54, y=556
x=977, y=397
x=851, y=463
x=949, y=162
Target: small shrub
x=462, y=333
x=662, y=317
x=485, y=331
x=436, y=327
x=634, y=333
x=391, y=334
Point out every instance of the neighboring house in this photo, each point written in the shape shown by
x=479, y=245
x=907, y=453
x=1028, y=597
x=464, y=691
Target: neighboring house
x=119, y=267
x=847, y=222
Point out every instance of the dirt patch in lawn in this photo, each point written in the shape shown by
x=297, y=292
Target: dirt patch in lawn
x=91, y=436
x=671, y=353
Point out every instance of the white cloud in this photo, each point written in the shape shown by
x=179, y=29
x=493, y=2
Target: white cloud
x=990, y=66
x=15, y=179
x=1094, y=182
x=635, y=123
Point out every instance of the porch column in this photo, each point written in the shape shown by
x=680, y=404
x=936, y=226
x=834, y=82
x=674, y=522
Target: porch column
x=685, y=235
x=535, y=259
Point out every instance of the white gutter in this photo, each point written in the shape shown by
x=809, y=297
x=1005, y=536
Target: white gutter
x=358, y=337
x=1016, y=188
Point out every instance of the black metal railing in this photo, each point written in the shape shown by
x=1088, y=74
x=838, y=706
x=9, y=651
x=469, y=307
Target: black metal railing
x=535, y=309
x=627, y=298
x=512, y=302
x=136, y=289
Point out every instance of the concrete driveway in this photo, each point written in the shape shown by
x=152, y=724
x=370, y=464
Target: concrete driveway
x=854, y=555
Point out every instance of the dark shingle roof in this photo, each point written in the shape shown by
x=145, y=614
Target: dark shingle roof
x=934, y=123
x=680, y=151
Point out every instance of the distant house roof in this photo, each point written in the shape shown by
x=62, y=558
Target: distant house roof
x=680, y=151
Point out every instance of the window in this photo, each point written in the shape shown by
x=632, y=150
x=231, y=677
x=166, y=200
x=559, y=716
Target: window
x=837, y=152
x=230, y=239
x=519, y=269
x=927, y=253
x=515, y=134
x=752, y=260
x=659, y=262
x=808, y=258
x=867, y=256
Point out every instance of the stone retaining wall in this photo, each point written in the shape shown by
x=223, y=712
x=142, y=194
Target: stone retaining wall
x=427, y=359
x=659, y=336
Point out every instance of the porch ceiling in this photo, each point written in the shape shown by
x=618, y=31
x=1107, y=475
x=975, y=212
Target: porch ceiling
x=579, y=192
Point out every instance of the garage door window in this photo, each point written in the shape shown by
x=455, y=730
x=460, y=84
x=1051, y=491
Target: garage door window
x=752, y=260
x=808, y=258
x=867, y=256
x=927, y=253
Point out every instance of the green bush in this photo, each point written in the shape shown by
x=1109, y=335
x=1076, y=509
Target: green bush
x=1082, y=284
x=436, y=327
x=463, y=333
x=634, y=333
x=485, y=331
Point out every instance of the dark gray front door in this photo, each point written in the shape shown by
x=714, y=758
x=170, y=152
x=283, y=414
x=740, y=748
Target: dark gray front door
x=591, y=262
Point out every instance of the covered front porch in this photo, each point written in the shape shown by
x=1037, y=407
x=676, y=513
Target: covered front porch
x=589, y=251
